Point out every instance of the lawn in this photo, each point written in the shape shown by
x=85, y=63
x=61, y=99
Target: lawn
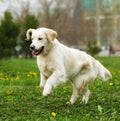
x=21, y=98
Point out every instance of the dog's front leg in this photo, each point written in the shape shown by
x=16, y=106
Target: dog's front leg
x=42, y=81
x=52, y=81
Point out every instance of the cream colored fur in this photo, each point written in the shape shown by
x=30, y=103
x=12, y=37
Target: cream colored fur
x=58, y=63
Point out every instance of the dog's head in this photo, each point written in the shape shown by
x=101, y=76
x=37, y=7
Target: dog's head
x=42, y=40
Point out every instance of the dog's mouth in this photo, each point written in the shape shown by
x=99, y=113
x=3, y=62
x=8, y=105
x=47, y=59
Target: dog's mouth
x=38, y=52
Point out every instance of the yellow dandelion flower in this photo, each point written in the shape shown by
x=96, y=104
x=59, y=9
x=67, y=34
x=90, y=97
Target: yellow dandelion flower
x=110, y=83
x=3, y=79
x=113, y=73
x=17, y=78
x=9, y=92
x=53, y=114
x=6, y=78
x=32, y=74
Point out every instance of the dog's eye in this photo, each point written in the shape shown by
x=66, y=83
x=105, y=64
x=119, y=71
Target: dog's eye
x=39, y=38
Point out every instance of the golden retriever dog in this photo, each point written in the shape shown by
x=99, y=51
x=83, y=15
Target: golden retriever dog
x=58, y=63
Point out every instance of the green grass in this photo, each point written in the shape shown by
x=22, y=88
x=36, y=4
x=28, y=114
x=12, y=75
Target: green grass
x=21, y=98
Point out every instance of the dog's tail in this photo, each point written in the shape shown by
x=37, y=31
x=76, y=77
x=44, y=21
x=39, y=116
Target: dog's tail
x=102, y=72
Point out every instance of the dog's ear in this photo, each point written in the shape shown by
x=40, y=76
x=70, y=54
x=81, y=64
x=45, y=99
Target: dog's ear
x=51, y=35
x=29, y=34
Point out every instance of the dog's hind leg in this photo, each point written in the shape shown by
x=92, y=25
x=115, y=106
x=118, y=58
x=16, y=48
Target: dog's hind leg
x=74, y=95
x=77, y=84
x=80, y=84
x=86, y=94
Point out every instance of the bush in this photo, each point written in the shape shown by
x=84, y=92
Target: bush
x=9, y=31
x=93, y=48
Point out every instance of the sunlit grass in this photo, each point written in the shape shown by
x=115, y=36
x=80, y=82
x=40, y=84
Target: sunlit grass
x=21, y=98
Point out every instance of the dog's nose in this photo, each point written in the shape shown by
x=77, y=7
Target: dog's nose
x=32, y=47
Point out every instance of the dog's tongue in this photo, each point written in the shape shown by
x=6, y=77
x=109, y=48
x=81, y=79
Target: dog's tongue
x=37, y=52
x=34, y=52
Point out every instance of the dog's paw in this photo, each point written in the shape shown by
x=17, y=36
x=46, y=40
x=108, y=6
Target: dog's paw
x=45, y=93
x=86, y=97
x=68, y=102
x=85, y=100
x=47, y=90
